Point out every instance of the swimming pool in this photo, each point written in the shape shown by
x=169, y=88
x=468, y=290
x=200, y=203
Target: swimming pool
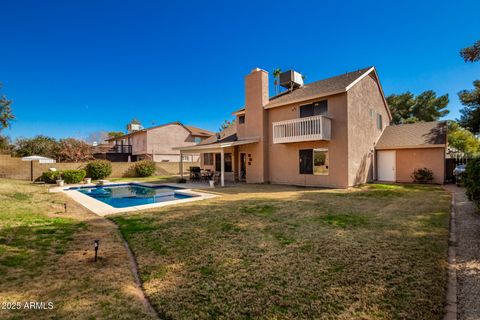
x=131, y=194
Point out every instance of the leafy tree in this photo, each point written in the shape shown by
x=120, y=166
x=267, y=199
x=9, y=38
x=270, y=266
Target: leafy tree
x=6, y=115
x=226, y=124
x=406, y=108
x=39, y=145
x=5, y=143
x=135, y=121
x=462, y=139
x=470, y=118
x=73, y=150
x=115, y=134
x=276, y=75
x=472, y=53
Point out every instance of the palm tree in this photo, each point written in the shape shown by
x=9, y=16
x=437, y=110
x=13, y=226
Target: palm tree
x=276, y=75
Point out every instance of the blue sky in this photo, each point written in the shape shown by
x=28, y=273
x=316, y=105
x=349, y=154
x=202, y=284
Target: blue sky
x=74, y=67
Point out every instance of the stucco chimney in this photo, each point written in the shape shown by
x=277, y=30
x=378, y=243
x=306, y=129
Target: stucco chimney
x=256, y=97
x=256, y=124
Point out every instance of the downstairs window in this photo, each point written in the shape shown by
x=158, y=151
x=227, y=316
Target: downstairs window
x=313, y=161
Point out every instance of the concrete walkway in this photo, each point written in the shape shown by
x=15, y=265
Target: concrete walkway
x=467, y=230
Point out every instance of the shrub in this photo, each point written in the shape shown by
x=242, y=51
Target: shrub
x=98, y=169
x=145, y=168
x=423, y=175
x=50, y=176
x=73, y=176
x=471, y=179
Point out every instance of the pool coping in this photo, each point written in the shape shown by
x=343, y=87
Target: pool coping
x=102, y=209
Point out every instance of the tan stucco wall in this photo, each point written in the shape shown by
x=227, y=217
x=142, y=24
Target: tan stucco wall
x=139, y=143
x=362, y=128
x=162, y=140
x=284, y=157
x=240, y=128
x=15, y=168
x=408, y=160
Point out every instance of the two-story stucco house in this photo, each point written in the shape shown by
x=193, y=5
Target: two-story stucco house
x=318, y=134
x=157, y=143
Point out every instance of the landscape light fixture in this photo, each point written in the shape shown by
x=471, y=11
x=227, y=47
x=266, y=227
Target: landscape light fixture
x=96, y=243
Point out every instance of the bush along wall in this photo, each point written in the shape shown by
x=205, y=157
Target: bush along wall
x=423, y=175
x=50, y=176
x=98, y=169
x=145, y=168
x=472, y=180
x=73, y=176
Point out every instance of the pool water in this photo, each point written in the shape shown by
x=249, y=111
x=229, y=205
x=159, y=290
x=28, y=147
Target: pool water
x=130, y=195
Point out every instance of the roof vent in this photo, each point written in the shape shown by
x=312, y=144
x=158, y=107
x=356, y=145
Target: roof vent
x=291, y=79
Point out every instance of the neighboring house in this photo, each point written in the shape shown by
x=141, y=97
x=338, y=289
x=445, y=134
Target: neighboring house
x=319, y=134
x=156, y=143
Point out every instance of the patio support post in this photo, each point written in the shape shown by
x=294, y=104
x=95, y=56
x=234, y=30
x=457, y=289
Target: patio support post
x=222, y=168
x=181, y=164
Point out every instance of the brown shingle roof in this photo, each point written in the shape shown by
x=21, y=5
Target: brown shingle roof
x=223, y=136
x=421, y=134
x=318, y=88
x=199, y=132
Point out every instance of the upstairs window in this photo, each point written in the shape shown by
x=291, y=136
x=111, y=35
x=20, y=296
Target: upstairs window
x=319, y=108
x=241, y=119
x=379, y=122
x=197, y=139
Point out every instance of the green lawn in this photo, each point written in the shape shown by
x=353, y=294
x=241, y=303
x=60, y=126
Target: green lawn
x=275, y=252
x=46, y=256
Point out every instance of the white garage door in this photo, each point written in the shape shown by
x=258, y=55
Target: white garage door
x=386, y=165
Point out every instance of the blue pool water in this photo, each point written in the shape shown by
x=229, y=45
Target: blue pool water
x=129, y=195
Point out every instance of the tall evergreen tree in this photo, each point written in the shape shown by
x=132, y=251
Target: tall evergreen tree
x=470, y=118
x=472, y=53
x=406, y=108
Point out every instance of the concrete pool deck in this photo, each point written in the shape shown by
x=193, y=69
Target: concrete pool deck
x=102, y=209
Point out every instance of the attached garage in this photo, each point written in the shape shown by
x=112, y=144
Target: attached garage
x=404, y=148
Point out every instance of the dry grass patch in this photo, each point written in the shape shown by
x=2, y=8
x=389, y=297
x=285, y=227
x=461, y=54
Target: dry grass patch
x=46, y=256
x=276, y=252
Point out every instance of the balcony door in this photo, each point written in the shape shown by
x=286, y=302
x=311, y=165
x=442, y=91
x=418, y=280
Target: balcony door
x=319, y=108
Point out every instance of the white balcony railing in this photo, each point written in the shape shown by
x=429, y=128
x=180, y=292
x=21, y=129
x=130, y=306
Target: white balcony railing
x=302, y=129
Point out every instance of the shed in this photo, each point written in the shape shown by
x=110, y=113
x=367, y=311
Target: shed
x=403, y=148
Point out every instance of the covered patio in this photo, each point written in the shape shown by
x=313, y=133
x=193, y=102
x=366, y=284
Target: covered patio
x=220, y=153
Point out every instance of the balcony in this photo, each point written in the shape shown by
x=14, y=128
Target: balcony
x=121, y=148
x=302, y=129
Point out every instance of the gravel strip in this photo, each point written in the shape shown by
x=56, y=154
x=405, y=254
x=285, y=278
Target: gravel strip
x=467, y=255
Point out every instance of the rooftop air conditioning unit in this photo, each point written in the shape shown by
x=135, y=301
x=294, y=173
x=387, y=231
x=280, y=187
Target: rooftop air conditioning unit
x=291, y=79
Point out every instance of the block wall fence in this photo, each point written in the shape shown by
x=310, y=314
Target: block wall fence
x=15, y=168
